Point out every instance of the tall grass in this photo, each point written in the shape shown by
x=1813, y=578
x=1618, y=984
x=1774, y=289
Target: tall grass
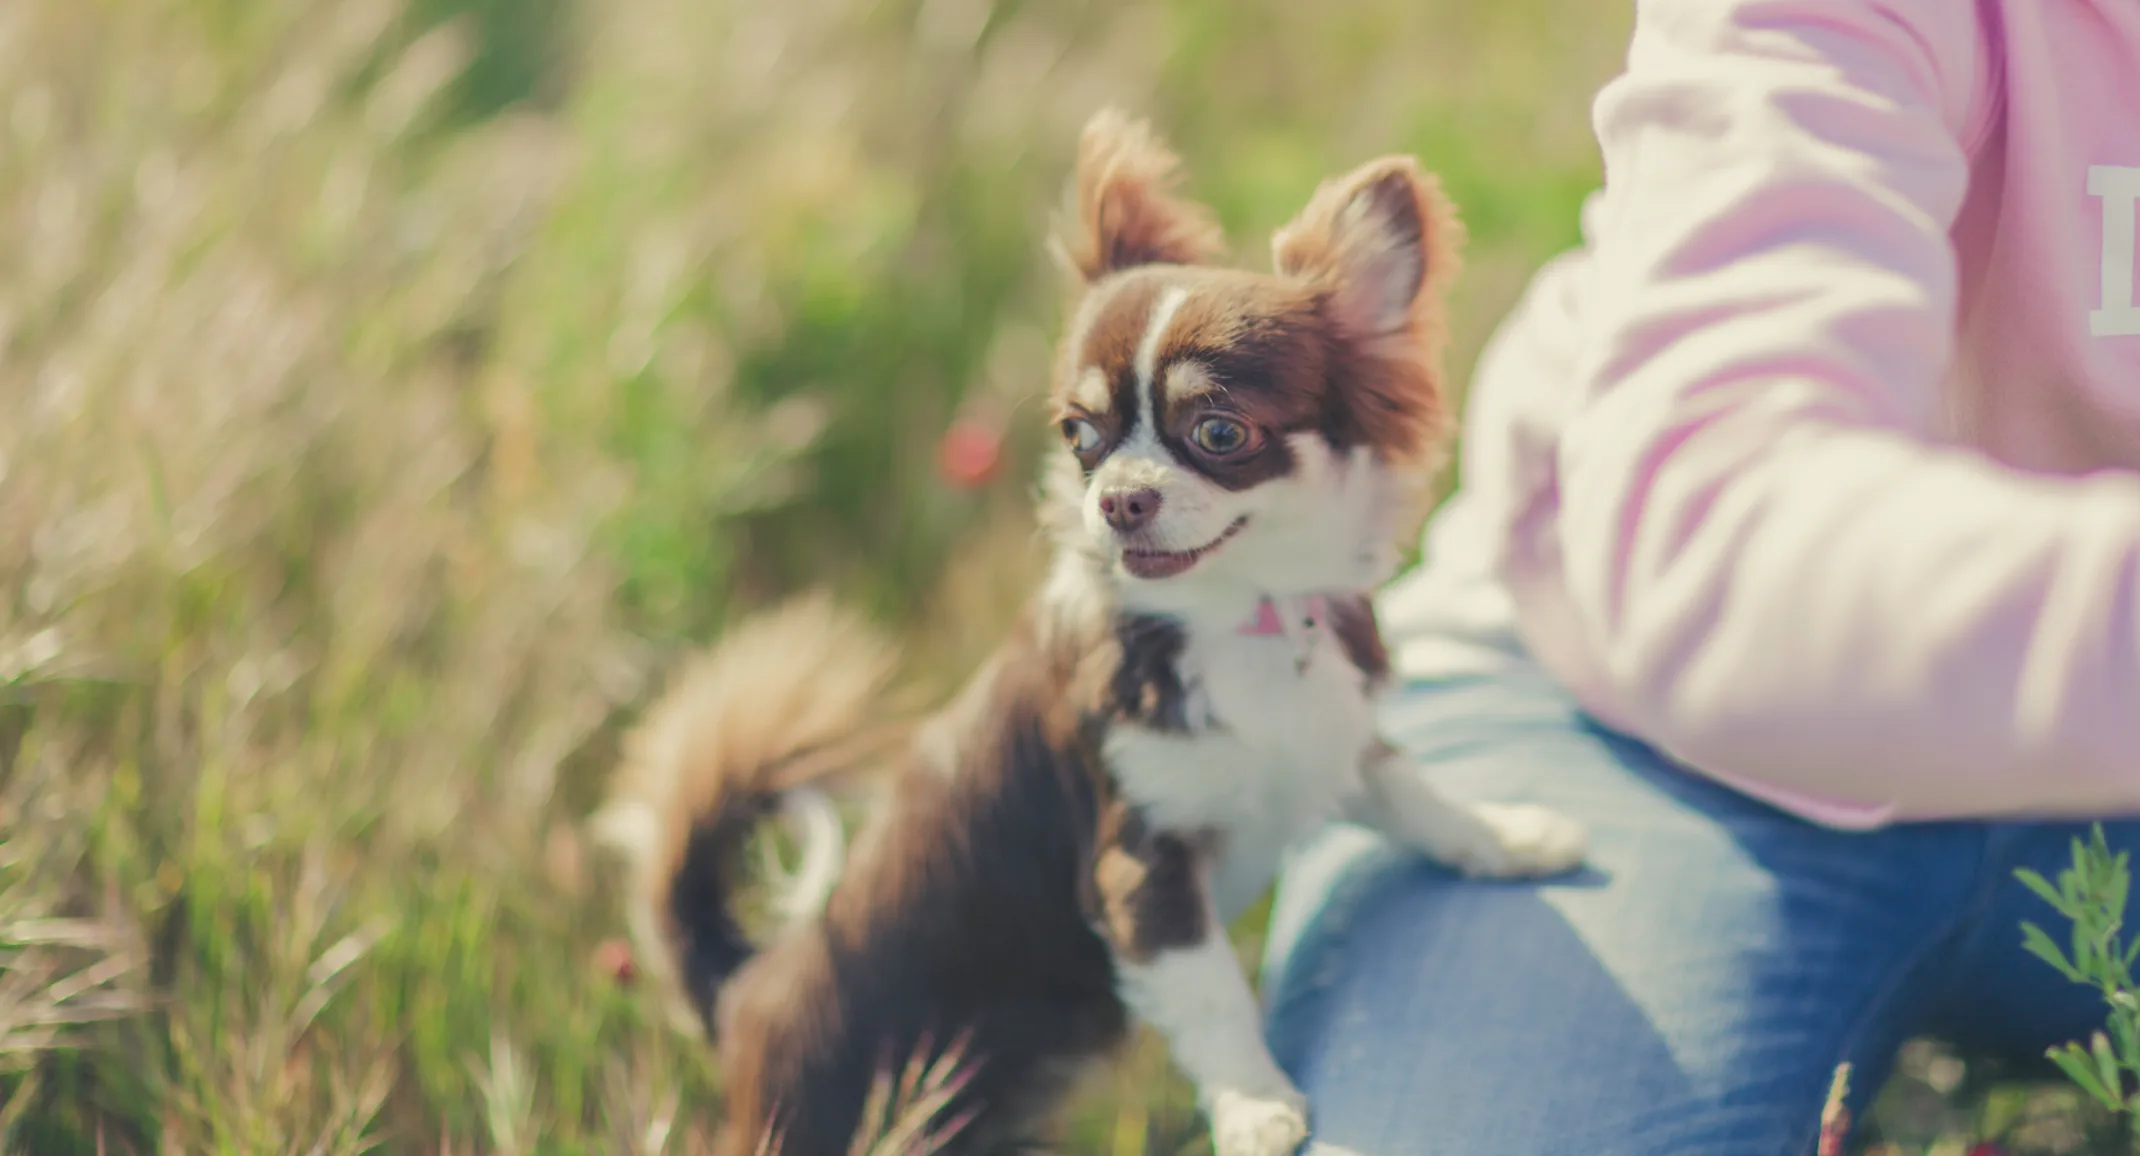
x=386, y=392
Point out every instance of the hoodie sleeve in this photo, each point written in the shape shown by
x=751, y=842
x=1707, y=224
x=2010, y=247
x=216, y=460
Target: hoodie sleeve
x=1781, y=574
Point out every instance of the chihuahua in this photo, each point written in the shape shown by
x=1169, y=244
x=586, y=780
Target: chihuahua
x=1191, y=691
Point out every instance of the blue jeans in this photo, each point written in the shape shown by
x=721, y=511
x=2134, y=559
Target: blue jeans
x=1691, y=993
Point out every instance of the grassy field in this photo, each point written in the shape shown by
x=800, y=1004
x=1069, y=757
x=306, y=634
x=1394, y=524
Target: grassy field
x=390, y=391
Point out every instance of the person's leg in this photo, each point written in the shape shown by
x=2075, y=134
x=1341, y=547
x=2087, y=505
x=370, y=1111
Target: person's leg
x=1691, y=993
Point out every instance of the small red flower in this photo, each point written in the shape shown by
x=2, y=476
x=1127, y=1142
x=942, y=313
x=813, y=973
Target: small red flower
x=1988, y=1149
x=613, y=958
x=970, y=452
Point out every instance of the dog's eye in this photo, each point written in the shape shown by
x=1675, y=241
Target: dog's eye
x=1083, y=436
x=1219, y=435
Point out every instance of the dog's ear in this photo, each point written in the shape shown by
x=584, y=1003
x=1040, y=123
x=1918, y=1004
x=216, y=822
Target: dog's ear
x=1382, y=243
x=1123, y=211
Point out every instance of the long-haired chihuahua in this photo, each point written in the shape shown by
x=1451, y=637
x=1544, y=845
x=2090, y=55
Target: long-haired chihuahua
x=1190, y=692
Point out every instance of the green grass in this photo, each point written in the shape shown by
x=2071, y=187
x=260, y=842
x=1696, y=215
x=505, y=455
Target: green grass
x=388, y=393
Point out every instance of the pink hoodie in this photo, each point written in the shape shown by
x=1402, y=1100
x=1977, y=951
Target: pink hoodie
x=1816, y=465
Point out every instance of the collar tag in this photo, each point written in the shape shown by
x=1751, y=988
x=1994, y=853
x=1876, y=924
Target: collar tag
x=1299, y=621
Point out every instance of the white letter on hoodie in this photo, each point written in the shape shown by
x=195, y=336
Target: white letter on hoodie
x=2119, y=187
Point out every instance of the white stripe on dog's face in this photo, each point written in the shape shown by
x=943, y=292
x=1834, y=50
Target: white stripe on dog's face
x=1143, y=461
x=1147, y=364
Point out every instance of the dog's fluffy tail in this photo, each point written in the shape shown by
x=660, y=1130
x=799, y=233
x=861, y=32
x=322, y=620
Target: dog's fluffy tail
x=785, y=702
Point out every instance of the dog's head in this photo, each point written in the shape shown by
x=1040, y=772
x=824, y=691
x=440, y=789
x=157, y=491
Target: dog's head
x=1225, y=429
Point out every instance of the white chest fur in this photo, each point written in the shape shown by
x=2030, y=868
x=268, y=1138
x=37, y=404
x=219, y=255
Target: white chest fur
x=1277, y=727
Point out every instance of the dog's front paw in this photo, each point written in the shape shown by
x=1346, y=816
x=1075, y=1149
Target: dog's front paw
x=1270, y=1125
x=1527, y=841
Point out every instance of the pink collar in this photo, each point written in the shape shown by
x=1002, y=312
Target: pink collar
x=1311, y=611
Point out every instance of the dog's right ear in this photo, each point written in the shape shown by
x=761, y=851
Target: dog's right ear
x=1123, y=213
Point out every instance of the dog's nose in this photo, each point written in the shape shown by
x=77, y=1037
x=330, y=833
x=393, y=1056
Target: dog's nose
x=1128, y=510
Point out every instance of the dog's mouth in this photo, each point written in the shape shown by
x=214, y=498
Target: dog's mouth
x=1155, y=564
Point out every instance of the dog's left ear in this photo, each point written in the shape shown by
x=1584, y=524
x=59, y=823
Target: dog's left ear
x=1379, y=245
x=1382, y=242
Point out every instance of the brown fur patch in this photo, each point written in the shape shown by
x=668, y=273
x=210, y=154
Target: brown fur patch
x=1147, y=689
x=1150, y=886
x=1353, y=621
x=1257, y=344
